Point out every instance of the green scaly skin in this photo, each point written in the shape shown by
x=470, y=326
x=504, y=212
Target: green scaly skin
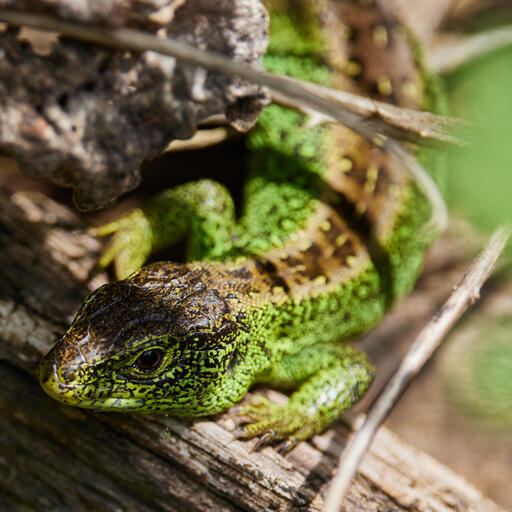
x=329, y=237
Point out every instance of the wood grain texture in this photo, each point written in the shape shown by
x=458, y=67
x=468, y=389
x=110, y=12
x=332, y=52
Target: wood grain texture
x=54, y=457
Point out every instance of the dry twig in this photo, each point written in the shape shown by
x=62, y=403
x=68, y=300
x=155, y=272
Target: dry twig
x=463, y=12
x=400, y=123
x=452, y=52
x=292, y=90
x=466, y=293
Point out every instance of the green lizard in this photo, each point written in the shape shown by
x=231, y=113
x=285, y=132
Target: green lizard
x=328, y=238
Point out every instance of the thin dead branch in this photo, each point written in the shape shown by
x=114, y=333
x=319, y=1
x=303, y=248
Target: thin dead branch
x=467, y=292
x=292, y=90
x=464, y=12
x=399, y=123
x=451, y=52
x=439, y=211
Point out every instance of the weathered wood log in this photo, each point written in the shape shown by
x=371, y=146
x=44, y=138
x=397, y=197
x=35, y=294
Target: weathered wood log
x=54, y=457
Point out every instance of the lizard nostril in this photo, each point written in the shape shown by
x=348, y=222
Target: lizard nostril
x=54, y=379
x=67, y=375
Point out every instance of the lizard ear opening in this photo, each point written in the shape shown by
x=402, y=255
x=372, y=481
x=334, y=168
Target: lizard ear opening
x=234, y=361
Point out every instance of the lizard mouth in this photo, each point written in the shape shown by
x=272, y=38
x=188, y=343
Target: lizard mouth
x=63, y=383
x=60, y=382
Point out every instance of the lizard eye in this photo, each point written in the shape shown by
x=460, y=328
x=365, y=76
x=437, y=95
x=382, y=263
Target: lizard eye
x=150, y=359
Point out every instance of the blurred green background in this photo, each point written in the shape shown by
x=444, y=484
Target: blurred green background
x=480, y=177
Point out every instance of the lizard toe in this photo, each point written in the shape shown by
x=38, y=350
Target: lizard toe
x=272, y=423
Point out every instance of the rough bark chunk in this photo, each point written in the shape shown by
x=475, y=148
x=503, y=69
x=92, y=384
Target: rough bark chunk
x=86, y=116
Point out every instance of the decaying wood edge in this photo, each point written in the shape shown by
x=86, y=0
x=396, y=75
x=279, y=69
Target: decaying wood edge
x=54, y=457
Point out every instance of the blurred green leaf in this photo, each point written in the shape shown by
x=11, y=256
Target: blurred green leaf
x=480, y=177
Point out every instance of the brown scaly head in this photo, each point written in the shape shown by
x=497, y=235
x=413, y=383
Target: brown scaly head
x=160, y=340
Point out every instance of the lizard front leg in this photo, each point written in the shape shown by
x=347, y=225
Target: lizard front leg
x=202, y=211
x=331, y=379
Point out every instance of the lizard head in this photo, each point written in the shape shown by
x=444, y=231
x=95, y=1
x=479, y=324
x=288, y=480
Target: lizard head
x=159, y=340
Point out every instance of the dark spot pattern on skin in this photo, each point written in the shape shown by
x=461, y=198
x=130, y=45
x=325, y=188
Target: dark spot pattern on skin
x=380, y=48
x=242, y=273
x=352, y=34
x=290, y=261
x=271, y=273
x=265, y=265
x=312, y=258
x=333, y=233
x=342, y=252
x=357, y=175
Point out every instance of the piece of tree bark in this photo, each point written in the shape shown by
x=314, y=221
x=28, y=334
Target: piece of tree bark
x=86, y=116
x=54, y=457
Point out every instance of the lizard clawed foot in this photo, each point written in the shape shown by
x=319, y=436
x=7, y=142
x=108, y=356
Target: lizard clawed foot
x=130, y=244
x=284, y=425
